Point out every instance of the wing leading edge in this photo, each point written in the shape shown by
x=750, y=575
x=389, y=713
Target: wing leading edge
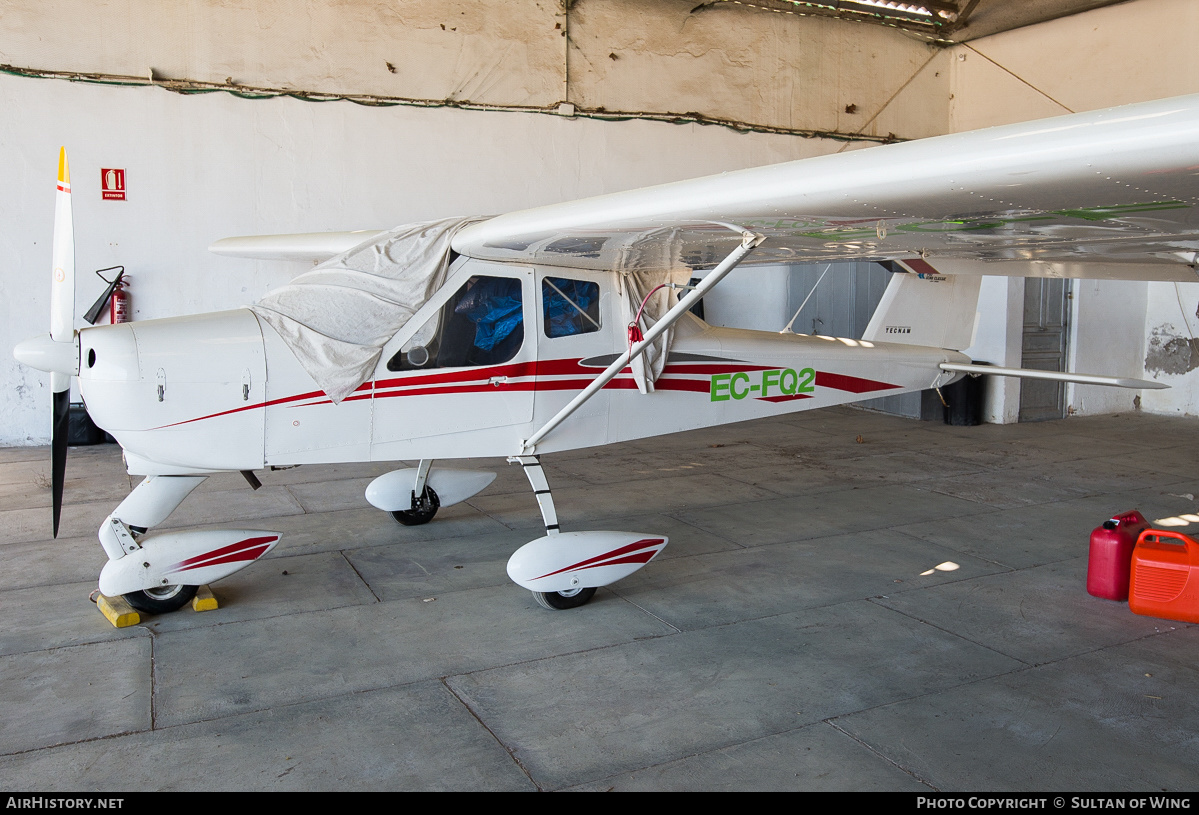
x=1111, y=193
x=312, y=246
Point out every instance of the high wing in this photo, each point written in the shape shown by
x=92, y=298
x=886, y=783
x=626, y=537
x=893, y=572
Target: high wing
x=1105, y=194
x=313, y=246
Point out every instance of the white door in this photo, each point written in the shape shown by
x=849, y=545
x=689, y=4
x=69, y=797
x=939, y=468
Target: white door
x=458, y=385
x=578, y=336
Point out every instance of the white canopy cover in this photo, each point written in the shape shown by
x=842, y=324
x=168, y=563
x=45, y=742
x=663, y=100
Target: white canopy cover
x=337, y=317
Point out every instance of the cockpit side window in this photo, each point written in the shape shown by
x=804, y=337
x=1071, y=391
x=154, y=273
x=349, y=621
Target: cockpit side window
x=571, y=306
x=482, y=324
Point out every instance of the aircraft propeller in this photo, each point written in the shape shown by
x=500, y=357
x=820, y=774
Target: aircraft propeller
x=62, y=330
x=58, y=353
x=62, y=327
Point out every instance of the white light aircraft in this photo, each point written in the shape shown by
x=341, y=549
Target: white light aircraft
x=566, y=327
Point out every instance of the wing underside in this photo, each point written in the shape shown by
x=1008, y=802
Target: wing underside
x=1111, y=193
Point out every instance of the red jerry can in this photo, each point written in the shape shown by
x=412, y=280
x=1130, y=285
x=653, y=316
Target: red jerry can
x=1165, y=576
x=1111, y=555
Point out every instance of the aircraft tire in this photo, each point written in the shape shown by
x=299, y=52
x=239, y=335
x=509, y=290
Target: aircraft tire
x=160, y=601
x=558, y=601
x=411, y=517
x=416, y=517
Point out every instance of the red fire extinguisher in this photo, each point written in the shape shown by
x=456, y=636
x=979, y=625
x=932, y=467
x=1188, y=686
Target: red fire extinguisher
x=119, y=312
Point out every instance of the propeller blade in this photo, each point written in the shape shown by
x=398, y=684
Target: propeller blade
x=62, y=328
x=58, y=446
x=62, y=286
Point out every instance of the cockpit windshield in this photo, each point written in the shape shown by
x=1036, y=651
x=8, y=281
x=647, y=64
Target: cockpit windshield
x=482, y=324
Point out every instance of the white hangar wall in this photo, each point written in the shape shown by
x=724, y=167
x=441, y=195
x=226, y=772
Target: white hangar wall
x=661, y=56
x=201, y=168
x=1130, y=52
x=208, y=165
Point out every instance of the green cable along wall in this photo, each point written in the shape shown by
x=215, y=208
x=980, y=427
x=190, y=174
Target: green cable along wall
x=189, y=86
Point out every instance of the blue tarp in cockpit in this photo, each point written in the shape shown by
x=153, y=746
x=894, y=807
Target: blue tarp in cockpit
x=493, y=304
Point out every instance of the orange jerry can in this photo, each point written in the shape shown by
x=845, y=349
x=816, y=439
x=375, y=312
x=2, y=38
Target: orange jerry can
x=1165, y=576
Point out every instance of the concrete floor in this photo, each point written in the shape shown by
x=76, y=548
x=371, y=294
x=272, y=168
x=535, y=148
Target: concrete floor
x=787, y=638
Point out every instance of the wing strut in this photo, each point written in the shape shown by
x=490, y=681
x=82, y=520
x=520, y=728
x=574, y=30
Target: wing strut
x=749, y=240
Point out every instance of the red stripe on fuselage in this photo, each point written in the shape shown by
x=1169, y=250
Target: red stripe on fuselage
x=852, y=384
x=270, y=403
x=920, y=266
x=477, y=380
x=686, y=385
x=713, y=368
x=467, y=375
x=790, y=397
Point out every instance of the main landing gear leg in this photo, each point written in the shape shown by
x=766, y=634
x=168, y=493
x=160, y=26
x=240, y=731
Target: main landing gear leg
x=572, y=598
x=425, y=502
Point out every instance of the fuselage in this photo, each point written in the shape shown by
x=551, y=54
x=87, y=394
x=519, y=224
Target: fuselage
x=223, y=391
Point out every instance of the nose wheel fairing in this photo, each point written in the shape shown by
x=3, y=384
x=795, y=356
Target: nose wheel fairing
x=148, y=567
x=191, y=558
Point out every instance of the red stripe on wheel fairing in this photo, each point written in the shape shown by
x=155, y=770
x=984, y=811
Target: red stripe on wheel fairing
x=248, y=549
x=252, y=553
x=614, y=557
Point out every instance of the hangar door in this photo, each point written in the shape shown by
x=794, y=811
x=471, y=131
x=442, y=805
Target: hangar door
x=841, y=306
x=1043, y=347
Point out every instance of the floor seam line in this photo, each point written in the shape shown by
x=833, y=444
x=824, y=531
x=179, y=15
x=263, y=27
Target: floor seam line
x=510, y=751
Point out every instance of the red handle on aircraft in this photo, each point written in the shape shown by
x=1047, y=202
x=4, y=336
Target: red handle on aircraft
x=635, y=335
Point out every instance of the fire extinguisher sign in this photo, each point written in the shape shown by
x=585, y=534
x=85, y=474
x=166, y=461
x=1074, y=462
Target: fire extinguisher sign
x=112, y=184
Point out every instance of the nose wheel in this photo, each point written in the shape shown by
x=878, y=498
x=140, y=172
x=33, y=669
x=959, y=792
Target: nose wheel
x=161, y=600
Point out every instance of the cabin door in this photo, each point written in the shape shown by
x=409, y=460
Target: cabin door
x=579, y=333
x=461, y=382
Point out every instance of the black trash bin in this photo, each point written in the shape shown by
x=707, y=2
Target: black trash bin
x=81, y=430
x=965, y=399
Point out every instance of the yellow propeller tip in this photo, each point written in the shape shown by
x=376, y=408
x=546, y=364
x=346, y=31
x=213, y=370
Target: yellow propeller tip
x=64, y=172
